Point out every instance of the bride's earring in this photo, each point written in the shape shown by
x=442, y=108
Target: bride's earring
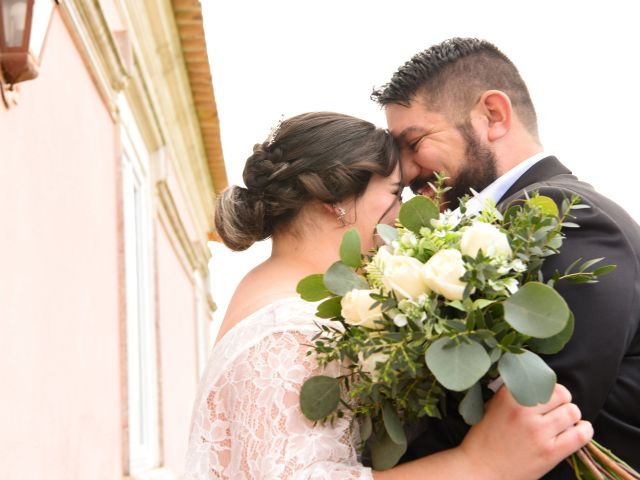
x=341, y=213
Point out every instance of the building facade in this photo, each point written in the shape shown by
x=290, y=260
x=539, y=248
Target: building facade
x=110, y=161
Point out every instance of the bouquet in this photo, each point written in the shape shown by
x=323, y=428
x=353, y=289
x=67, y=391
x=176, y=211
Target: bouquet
x=452, y=303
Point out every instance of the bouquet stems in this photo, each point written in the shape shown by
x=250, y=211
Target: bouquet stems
x=594, y=462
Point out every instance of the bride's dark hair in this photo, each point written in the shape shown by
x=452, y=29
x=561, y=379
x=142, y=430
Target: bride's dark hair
x=321, y=156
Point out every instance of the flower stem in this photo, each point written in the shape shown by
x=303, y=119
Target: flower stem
x=609, y=463
x=593, y=469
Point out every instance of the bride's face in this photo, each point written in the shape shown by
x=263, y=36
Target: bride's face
x=380, y=203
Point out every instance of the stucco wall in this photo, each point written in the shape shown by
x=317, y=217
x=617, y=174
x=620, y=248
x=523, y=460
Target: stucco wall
x=178, y=350
x=59, y=330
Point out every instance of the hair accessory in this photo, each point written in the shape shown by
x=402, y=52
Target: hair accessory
x=341, y=213
x=274, y=132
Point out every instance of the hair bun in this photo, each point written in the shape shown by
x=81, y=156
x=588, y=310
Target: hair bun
x=240, y=218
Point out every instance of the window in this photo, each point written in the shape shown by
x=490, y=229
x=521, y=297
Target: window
x=141, y=332
x=203, y=321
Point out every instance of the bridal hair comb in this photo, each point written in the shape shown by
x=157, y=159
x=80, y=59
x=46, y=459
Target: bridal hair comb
x=274, y=132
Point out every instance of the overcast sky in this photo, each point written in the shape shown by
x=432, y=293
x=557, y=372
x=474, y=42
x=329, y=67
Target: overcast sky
x=279, y=58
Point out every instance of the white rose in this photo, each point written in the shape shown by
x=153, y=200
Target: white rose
x=356, y=309
x=486, y=237
x=442, y=274
x=368, y=364
x=404, y=276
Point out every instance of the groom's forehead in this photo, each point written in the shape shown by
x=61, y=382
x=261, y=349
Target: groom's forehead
x=405, y=121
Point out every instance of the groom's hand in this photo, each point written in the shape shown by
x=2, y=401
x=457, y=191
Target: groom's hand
x=523, y=443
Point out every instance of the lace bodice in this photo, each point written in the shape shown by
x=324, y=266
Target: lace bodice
x=247, y=422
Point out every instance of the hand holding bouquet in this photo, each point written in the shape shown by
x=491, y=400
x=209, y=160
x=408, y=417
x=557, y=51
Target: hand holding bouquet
x=451, y=304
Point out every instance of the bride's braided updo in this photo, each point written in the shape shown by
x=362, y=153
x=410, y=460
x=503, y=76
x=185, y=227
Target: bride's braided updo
x=324, y=156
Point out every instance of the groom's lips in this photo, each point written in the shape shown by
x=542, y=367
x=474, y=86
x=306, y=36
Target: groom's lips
x=420, y=186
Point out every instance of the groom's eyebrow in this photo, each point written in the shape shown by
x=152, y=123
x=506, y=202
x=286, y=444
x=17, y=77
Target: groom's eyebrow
x=411, y=130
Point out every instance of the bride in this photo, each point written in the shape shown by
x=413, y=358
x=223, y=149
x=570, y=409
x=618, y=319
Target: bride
x=320, y=173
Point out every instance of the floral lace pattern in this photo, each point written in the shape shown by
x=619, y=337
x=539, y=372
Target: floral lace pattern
x=247, y=422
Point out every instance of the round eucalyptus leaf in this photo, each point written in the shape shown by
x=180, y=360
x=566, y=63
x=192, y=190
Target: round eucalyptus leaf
x=418, y=212
x=319, y=397
x=457, y=366
x=548, y=346
x=330, y=308
x=312, y=289
x=536, y=310
x=385, y=453
x=387, y=233
x=350, y=248
x=340, y=279
x=472, y=406
x=527, y=377
x=366, y=428
x=546, y=204
x=392, y=425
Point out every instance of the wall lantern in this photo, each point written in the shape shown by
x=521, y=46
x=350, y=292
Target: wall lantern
x=23, y=27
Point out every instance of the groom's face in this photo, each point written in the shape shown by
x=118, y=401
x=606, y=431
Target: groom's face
x=430, y=142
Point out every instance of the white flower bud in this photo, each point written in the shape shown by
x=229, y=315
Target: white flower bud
x=404, y=276
x=368, y=364
x=442, y=273
x=356, y=309
x=400, y=320
x=486, y=237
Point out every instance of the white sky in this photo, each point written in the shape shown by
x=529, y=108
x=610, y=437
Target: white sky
x=579, y=59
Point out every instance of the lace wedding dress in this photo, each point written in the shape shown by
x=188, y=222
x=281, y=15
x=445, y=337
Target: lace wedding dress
x=247, y=422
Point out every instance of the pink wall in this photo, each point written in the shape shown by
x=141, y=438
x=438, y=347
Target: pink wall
x=179, y=355
x=59, y=318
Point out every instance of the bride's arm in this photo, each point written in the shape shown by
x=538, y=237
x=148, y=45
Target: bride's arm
x=511, y=442
x=265, y=435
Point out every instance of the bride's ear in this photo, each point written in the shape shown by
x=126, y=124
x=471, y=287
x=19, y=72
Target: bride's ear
x=329, y=208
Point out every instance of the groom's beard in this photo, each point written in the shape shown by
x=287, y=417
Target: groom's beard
x=478, y=170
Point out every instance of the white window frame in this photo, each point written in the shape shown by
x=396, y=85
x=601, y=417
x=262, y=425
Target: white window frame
x=203, y=320
x=142, y=371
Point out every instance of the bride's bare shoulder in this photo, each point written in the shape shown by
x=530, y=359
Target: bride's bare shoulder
x=259, y=288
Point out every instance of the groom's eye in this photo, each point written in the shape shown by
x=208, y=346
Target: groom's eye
x=414, y=145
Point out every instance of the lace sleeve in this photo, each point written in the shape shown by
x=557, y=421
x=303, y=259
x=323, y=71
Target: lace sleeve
x=252, y=426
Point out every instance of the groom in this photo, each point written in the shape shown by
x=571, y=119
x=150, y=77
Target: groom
x=461, y=107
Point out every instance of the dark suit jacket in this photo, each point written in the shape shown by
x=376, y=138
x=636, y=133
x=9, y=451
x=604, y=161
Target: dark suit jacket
x=601, y=363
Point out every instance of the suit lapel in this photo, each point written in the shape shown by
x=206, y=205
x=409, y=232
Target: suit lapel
x=545, y=169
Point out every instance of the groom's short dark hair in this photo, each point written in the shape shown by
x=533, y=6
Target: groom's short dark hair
x=453, y=74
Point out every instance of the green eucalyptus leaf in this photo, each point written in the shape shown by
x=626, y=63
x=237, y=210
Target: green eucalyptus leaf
x=604, y=270
x=482, y=303
x=366, y=428
x=527, y=377
x=312, y=289
x=350, y=248
x=387, y=233
x=555, y=343
x=340, y=279
x=536, y=310
x=546, y=204
x=417, y=213
x=330, y=308
x=472, y=406
x=319, y=396
x=392, y=425
x=457, y=366
x=385, y=453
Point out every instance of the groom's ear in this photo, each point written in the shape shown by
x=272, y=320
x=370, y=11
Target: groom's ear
x=495, y=112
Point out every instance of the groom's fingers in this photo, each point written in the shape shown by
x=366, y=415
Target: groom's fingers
x=561, y=418
x=573, y=438
x=560, y=396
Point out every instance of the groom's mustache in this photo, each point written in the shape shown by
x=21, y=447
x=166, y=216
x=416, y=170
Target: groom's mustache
x=420, y=185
